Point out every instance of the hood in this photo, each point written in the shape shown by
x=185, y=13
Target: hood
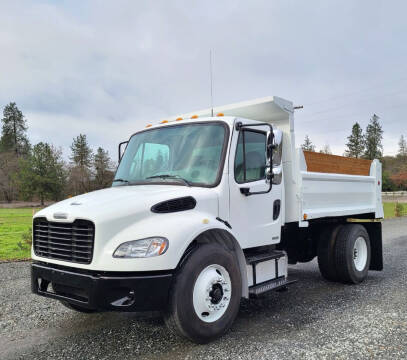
x=122, y=201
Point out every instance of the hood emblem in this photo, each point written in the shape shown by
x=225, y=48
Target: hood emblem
x=60, y=216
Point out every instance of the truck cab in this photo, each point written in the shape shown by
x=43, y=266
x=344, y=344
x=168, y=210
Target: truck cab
x=207, y=208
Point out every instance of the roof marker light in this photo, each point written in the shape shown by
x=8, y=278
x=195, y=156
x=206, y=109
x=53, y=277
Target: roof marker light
x=194, y=117
x=149, y=125
x=178, y=118
x=220, y=114
x=164, y=122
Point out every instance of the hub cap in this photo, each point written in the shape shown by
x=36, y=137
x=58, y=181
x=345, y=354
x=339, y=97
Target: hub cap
x=360, y=253
x=212, y=292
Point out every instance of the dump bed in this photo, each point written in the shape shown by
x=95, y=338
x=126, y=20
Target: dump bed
x=333, y=185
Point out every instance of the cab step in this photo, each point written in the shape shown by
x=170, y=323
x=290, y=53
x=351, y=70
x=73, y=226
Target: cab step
x=275, y=284
x=269, y=255
x=266, y=270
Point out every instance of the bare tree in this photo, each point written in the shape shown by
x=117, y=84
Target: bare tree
x=8, y=172
x=326, y=150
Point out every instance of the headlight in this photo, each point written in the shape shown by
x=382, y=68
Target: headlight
x=149, y=247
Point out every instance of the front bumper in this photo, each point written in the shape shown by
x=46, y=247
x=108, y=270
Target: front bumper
x=100, y=290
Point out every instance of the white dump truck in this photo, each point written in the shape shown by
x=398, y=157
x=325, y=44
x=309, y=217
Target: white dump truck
x=205, y=209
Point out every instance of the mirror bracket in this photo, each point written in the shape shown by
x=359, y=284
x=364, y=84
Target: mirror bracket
x=120, y=149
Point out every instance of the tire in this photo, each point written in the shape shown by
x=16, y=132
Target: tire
x=326, y=252
x=204, y=279
x=352, y=254
x=77, y=308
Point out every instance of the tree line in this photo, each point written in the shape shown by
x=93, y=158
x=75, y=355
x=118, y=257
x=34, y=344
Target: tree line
x=368, y=145
x=39, y=172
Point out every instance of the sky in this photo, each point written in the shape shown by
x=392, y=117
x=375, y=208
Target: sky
x=108, y=68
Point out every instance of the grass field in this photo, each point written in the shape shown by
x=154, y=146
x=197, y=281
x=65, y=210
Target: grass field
x=388, y=208
x=15, y=222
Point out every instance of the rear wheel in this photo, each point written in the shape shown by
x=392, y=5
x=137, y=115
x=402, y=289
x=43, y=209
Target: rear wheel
x=205, y=295
x=352, y=253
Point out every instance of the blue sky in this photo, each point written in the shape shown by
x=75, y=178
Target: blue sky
x=108, y=68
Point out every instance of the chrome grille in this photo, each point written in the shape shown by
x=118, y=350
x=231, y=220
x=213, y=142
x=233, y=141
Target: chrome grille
x=71, y=242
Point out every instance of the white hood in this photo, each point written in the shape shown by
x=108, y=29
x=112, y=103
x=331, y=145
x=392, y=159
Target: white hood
x=120, y=202
x=123, y=213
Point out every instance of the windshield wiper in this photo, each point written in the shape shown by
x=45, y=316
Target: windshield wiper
x=168, y=176
x=121, y=180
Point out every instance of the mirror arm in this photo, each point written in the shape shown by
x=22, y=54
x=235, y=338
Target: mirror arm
x=120, y=148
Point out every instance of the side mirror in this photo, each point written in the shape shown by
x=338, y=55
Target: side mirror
x=120, y=150
x=269, y=157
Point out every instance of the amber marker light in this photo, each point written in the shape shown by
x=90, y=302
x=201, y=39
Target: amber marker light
x=220, y=114
x=194, y=117
x=149, y=125
x=179, y=119
x=164, y=122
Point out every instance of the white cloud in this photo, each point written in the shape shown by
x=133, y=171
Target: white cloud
x=107, y=68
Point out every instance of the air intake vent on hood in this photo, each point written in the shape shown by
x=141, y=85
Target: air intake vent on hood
x=174, y=205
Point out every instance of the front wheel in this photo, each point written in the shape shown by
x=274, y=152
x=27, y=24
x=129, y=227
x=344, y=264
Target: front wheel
x=205, y=296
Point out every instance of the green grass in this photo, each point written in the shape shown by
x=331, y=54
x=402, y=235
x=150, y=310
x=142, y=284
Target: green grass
x=13, y=223
x=388, y=208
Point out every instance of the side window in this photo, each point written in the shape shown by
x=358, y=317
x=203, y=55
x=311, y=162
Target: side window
x=250, y=159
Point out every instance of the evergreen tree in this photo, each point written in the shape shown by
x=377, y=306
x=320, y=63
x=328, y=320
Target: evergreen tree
x=402, y=147
x=81, y=164
x=103, y=169
x=42, y=173
x=308, y=145
x=14, y=129
x=356, y=142
x=373, y=139
x=81, y=152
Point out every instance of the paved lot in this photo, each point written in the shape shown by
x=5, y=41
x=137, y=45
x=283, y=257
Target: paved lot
x=314, y=319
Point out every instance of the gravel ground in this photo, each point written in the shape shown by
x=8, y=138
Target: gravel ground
x=313, y=319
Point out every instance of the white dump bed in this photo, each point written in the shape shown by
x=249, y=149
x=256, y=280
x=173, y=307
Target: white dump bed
x=333, y=194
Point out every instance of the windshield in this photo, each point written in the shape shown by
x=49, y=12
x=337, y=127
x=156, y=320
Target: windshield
x=188, y=154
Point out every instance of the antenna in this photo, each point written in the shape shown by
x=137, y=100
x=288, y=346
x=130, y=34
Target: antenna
x=210, y=74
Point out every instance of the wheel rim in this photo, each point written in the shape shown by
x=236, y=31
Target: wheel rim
x=360, y=253
x=212, y=293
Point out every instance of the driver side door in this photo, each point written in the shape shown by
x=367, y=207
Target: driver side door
x=253, y=218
